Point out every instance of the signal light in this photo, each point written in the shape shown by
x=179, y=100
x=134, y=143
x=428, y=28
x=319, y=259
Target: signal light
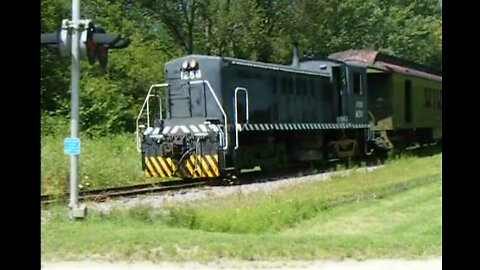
x=90, y=45
x=101, y=42
x=102, y=52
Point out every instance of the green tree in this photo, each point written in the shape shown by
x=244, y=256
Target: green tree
x=261, y=30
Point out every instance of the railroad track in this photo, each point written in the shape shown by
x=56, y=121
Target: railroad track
x=106, y=193
x=244, y=178
x=99, y=195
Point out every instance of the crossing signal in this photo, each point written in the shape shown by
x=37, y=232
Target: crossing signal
x=94, y=41
x=103, y=42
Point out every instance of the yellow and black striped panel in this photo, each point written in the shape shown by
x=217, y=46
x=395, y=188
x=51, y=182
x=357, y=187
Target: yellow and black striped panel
x=205, y=166
x=199, y=166
x=159, y=166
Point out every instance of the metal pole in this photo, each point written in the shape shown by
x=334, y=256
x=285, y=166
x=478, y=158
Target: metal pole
x=75, y=210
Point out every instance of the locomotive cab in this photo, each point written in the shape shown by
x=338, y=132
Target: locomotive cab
x=350, y=87
x=350, y=98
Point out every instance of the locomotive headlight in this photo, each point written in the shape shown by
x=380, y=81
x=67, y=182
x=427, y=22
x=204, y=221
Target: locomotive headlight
x=193, y=63
x=185, y=64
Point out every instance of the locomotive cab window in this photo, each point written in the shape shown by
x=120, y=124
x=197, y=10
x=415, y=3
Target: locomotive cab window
x=357, y=83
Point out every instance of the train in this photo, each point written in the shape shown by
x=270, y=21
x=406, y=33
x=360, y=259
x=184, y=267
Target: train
x=215, y=116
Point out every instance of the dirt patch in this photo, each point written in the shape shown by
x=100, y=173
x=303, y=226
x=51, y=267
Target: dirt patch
x=374, y=264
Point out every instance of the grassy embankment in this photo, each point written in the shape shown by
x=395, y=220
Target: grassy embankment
x=395, y=211
x=104, y=162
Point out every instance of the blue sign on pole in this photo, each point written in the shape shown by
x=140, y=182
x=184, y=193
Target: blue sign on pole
x=71, y=146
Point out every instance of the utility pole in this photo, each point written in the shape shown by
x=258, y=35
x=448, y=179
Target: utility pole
x=76, y=211
x=80, y=38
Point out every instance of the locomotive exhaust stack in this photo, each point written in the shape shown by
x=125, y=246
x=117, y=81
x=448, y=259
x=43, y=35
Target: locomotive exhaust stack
x=295, y=59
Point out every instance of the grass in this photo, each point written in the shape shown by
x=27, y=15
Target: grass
x=104, y=162
x=286, y=206
x=392, y=212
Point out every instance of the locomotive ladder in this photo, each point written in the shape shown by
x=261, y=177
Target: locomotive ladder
x=146, y=104
x=371, y=132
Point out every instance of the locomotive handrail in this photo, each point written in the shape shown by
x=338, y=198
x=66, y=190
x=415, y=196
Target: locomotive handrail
x=236, y=111
x=145, y=103
x=373, y=118
x=219, y=106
